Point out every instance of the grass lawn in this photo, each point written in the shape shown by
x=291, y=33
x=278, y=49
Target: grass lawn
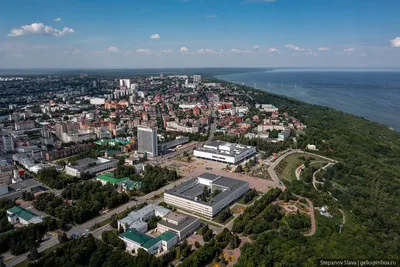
x=287, y=167
x=318, y=164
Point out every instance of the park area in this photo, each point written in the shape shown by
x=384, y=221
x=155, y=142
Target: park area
x=286, y=169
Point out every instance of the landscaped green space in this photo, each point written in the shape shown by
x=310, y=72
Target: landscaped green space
x=286, y=169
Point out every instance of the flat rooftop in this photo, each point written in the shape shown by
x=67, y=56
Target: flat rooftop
x=218, y=147
x=183, y=219
x=85, y=163
x=192, y=188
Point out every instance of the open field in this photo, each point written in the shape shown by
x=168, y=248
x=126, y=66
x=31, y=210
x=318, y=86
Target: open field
x=287, y=167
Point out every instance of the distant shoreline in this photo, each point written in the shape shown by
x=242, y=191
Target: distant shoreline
x=394, y=127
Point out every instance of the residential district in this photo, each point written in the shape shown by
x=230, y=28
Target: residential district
x=141, y=163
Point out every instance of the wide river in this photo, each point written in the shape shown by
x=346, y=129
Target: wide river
x=372, y=94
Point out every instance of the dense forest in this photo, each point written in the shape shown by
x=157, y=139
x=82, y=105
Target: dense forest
x=366, y=185
x=88, y=199
x=23, y=239
x=59, y=180
x=151, y=179
x=5, y=225
x=90, y=252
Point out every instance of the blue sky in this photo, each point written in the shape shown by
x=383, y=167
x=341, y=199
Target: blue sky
x=199, y=33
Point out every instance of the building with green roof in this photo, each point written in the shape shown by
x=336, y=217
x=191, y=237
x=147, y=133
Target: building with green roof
x=135, y=240
x=18, y=215
x=110, y=178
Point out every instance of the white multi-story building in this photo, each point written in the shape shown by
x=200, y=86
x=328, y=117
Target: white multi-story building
x=91, y=166
x=284, y=135
x=270, y=127
x=173, y=126
x=182, y=224
x=187, y=196
x=125, y=83
x=197, y=78
x=137, y=218
x=97, y=101
x=135, y=86
x=267, y=107
x=8, y=143
x=225, y=152
x=24, y=125
x=147, y=140
x=78, y=137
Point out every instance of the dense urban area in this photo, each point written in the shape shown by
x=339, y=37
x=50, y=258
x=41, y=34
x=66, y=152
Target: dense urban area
x=188, y=170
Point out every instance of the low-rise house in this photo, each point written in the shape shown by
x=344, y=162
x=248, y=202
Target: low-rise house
x=18, y=215
x=135, y=240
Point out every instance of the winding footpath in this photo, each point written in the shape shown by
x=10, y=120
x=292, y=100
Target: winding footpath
x=314, y=180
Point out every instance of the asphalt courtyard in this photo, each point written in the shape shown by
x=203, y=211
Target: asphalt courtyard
x=199, y=166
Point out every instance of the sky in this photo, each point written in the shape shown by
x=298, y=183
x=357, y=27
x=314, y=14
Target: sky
x=199, y=33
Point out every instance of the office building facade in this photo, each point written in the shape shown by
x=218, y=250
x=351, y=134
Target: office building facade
x=147, y=140
x=187, y=195
x=8, y=143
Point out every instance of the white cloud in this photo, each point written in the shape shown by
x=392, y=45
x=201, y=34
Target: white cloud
x=236, y=51
x=206, y=51
x=155, y=36
x=57, y=19
x=363, y=54
x=40, y=29
x=311, y=53
x=257, y=48
x=272, y=49
x=184, y=49
x=323, y=49
x=349, y=50
x=395, y=42
x=141, y=50
x=167, y=51
x=112, y=49
x=294, y=48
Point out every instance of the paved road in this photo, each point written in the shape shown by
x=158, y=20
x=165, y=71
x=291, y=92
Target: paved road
x=271, y=169
x=80, y=229
x=312, y=215
x=43, y=246
x=344, y=217
x=300, y=168
x=314, y=180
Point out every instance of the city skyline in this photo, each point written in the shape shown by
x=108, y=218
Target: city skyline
x=190, y=33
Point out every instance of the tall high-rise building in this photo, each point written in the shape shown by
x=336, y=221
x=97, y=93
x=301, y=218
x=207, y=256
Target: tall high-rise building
x=125, y=83
x=197, y=78
x=147, y=140
x=8, y=143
